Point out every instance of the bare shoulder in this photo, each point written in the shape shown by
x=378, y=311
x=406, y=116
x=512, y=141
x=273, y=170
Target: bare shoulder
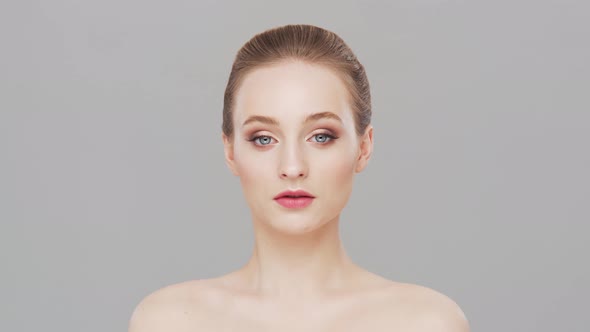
x=172, y=308
x=425, y=309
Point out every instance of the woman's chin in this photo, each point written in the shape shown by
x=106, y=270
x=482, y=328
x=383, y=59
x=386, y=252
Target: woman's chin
x=294, y=223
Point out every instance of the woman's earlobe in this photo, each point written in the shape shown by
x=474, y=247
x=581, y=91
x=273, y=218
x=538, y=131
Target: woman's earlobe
x=366, y=148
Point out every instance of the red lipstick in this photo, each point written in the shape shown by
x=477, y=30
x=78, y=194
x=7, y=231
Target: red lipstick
x=294, y=198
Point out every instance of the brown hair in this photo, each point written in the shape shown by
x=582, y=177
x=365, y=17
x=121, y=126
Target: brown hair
x=306, y=43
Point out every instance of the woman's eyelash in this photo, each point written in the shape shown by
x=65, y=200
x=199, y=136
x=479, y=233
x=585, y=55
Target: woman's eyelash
x=329, y=136
x=255, y=138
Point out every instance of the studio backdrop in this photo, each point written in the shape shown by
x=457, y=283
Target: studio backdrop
x=113, y=183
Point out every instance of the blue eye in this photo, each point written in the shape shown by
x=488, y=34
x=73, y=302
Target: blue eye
x=264, y=140
x=323, y=138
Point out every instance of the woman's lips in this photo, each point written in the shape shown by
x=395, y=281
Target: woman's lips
x=294, y=199
x=294, y=202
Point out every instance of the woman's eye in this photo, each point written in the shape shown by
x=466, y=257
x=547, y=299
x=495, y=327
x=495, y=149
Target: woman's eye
x=323, y=138
x=263, y=140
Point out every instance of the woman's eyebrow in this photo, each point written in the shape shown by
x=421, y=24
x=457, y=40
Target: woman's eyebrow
x=274, y=122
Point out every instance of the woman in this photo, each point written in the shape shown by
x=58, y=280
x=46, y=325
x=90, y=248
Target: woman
x=296, y=129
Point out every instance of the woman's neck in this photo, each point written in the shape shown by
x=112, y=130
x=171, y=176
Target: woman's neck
x=291, y=266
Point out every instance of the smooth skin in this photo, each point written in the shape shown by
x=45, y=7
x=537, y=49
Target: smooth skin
x=295, y=129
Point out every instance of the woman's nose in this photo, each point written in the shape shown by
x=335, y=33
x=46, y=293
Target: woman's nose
x=293, y=164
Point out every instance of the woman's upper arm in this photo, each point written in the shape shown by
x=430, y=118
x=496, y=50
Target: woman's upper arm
x=162, y=311
x=150, y=315
x=442, y=314
x=428, y=310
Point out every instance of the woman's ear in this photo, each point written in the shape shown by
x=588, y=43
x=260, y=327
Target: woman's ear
x=228, y=148
x=365, y=149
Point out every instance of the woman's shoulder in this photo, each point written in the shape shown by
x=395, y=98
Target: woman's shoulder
x=426, y=308
x=406, y=306
x=169, y=307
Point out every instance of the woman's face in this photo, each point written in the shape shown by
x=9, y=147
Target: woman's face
x=294, y=129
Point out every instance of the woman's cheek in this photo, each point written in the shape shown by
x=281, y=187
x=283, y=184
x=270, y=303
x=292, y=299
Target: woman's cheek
x=339, y=165
x=338, y=174
x=253, y=168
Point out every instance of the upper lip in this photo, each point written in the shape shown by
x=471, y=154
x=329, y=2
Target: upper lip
x=298, y=192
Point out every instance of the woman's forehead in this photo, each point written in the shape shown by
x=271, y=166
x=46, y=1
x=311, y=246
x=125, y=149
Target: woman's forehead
x=293, y=89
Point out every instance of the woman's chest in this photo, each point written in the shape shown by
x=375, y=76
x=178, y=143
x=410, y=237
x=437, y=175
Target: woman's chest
x=351, y=316
x=352, y=323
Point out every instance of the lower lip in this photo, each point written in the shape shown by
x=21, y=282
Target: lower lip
x=294, y=203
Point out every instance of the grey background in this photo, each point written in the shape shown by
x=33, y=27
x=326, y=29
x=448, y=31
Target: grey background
x=113, y=184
